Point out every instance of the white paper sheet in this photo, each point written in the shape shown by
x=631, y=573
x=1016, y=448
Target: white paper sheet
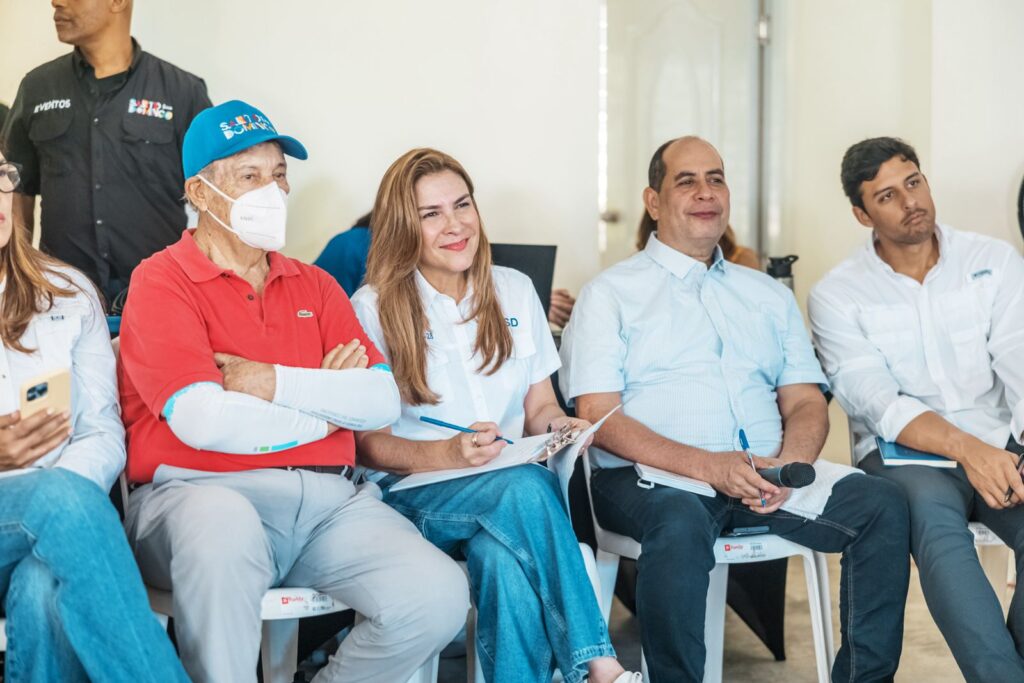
x=810, y=501
x=524, y=451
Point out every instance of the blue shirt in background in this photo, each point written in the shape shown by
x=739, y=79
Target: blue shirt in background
x=344, y=258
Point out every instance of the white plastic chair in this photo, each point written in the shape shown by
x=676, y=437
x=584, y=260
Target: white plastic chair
x=281, y=610
x=759, y=548
x=994, y=556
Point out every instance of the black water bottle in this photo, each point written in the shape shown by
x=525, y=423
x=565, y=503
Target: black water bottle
x=781, y=268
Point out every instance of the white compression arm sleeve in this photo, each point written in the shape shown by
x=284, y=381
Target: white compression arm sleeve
x=203, y=415
x=358, y=399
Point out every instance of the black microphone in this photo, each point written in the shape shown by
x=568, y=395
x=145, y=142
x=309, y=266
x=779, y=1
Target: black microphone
x=792, y=475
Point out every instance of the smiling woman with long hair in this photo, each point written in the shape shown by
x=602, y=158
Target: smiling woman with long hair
x=469, y=343
x=75, y=605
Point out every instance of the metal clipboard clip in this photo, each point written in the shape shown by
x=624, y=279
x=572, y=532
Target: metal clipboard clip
x=565, y=435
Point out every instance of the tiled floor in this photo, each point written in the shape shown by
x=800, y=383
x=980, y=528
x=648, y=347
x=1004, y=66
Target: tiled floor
x=925, y=655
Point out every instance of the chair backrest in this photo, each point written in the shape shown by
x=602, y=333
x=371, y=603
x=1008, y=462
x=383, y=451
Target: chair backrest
x=604, y=538
x=535, y=260
x=853, y=440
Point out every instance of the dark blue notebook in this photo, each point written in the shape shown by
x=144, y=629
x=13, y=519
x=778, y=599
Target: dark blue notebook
x=894, y=455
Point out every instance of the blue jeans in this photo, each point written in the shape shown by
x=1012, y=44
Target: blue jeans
x=76, y=608
x=865, y=519
x=959, y=596
x=535, y=605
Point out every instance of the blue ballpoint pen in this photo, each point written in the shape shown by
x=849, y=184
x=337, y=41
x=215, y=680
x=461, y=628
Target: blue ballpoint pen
x=449, y=425
x=750, y=459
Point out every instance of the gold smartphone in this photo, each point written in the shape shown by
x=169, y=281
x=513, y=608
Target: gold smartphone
x=49, y=390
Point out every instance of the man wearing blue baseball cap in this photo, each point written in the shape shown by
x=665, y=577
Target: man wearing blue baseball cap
x=243, y=376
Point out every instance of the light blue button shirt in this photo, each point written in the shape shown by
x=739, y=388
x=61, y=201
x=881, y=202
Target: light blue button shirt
x=696, y=352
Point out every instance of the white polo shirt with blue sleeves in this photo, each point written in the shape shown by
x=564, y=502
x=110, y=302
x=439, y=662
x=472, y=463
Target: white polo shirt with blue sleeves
x=453, y=368
x=696, y=353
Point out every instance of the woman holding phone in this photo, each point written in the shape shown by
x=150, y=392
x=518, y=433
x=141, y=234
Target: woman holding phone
x=75, y=605
x=469, y=344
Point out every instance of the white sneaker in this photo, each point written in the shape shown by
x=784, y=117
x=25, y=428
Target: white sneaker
x=629, y=677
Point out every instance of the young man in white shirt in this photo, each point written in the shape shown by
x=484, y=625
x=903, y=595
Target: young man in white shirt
x=703, y=354
x=921, y=333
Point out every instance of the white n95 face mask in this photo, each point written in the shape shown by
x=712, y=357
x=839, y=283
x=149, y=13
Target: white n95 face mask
x=258, y=217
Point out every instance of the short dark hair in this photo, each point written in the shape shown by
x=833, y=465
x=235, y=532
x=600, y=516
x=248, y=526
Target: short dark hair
x=656, y=170
x=862, y=161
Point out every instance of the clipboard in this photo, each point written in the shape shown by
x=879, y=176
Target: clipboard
x=530, y=450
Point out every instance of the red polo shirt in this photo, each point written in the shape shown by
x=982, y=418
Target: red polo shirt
x=182, y=308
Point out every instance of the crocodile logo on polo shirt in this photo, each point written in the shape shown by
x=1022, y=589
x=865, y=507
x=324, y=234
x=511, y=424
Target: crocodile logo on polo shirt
x=303, y=313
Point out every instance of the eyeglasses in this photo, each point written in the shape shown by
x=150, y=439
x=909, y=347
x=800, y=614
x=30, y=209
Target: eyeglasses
x=10, y=176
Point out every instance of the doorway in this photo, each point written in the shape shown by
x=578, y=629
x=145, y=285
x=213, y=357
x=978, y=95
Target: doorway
x=672, y=68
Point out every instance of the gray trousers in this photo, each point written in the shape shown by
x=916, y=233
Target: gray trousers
x=960, y=598
x=220, y=540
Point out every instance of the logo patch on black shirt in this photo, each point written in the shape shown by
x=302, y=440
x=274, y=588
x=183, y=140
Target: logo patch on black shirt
x=52, y=104
x=158, y=110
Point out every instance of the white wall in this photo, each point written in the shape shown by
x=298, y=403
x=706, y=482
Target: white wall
x=848, y=70
x=845, y=70
x=28, y=39
x=942, y=74
x=977, y=109
x=508, y=88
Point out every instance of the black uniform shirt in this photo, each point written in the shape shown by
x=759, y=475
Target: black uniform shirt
x=105, y=154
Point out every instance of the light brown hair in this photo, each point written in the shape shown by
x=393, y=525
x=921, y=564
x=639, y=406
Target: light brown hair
x=391, y=269
x=28, y=289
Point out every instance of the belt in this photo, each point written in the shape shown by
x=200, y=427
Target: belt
x=337, y=470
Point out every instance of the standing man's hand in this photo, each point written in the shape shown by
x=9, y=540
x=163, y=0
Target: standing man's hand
x=22, y=442
x=247, y=376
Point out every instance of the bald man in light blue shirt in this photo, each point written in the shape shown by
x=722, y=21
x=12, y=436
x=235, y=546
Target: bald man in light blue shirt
x=698, y=349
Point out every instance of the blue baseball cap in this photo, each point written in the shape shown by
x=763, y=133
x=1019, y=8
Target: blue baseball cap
x=227, y=129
